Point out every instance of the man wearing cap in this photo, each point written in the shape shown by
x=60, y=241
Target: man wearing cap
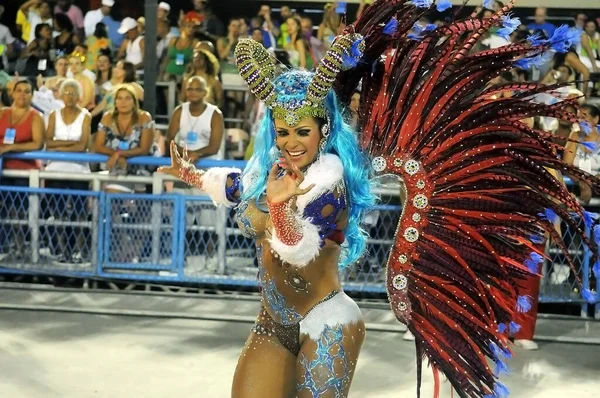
x=163, y=14
x=163, y=10
x=93, y=17
x=132, y=49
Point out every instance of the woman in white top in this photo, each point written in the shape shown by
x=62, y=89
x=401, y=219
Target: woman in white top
x=68, y=131
x=197, y=125
x=587, y=157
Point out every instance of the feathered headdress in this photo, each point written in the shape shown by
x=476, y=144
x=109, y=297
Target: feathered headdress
x=258, y=68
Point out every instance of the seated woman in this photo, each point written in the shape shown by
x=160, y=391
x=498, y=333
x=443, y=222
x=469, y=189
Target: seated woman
x=586, y=158
x=179, y=53
x=301, y=196
x=66, y=41
x=77, y=67
x=123, y=73
x=21, y=130
x=297, y=46
x=61, y=66
x=36, y=57
x=69, y=131
x=125, y=132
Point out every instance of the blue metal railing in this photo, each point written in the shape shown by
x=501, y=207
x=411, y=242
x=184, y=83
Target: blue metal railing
x=152, y=233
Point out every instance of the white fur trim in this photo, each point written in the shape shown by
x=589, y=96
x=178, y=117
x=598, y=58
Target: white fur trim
x=326, y=173
x=214, y=182
x=303, y=252
x=339, y=310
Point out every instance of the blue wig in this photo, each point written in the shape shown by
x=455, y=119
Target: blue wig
x=291, y=87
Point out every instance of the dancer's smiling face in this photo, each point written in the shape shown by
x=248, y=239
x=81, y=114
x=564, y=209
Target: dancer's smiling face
x=299, y=143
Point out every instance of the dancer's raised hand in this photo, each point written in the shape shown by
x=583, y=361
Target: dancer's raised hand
x=177, y=161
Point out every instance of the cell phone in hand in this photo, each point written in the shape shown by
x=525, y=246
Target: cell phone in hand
x=341, y=7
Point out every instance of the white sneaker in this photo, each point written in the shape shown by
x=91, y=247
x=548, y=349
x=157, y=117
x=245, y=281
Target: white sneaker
x=528, y=345
x=408, y=336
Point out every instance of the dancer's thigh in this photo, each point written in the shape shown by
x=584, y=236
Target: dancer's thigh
x=326, y=364
x=265, y=370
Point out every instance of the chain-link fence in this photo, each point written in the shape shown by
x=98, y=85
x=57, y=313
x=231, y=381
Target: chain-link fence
x=182, y=238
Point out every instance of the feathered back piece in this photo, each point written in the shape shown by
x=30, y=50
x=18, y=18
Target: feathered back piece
x=480, y=193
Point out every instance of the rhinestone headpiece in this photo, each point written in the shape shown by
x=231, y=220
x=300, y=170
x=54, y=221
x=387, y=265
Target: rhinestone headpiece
x=257, y=68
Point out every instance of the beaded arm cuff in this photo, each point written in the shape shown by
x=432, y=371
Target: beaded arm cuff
x=295, y=239
x=191, y=176
x=214, y=182
x=231, y=190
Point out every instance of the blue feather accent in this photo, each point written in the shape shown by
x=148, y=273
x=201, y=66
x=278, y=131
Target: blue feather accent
x=501, y=327
x=585, y=127
x=549, y=215
x=443, y=5
x=430, y=27
x=422, y=3
x=489, y=4
x=514, y=327
x=537, y=61
x=588, y=218
x=591, y=146
x=589, y=296
x=533, y=262
x=500, y=390
x=596, y=269
x=524, y=304
x=536, y=39
x=538, y=258
x=531, y=265
x=509, y=25
x=417, y=28
x=391, y=27
x=501, y=368
x=537, y=239
x=413, y=36
x=497, y=351
x=564, y=38
x=350, y=60
x=596, y=231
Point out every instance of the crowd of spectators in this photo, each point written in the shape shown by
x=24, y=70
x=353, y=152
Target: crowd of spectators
x=82, y=74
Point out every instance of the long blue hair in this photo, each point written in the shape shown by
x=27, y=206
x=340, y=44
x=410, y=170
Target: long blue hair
x=342, y=141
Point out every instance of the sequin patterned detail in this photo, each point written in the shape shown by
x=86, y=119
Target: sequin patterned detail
x=400, y=282
x=243, y=220
x=378, y=164
x=326, y=224
x=191, y=176
x=288, y=229
x=328, y=372
x=420, y=201
x=257, y=68
x=411, y=167
x=288, y=336
x=230, y=191
x=274, y=300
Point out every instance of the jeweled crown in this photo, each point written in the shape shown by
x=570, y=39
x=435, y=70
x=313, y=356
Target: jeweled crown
x=257, y=67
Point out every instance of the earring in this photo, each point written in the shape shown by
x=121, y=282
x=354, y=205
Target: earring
x=325, y=130
x=322, y=144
